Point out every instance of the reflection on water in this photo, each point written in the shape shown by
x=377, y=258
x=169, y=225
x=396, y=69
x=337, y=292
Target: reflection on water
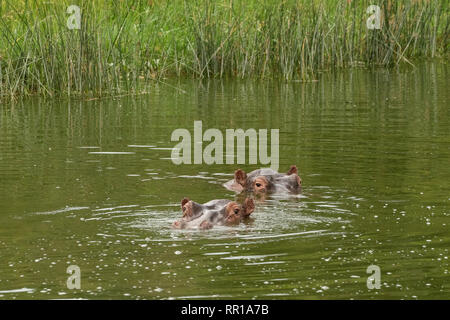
x=91, y=183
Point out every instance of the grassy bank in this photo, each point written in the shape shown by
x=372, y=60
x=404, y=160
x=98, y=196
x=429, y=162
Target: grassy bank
x=122, y=46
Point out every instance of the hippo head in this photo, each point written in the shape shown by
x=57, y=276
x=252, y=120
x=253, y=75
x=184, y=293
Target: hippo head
x=224, y=212
x=267, y=181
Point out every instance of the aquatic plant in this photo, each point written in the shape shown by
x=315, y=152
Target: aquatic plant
x=122, y=47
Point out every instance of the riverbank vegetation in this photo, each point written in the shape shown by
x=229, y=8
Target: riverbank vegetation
x=122, y=47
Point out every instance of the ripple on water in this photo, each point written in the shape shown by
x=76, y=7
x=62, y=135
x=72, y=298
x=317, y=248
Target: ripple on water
x=111, y=152
x=137, y=238
x=21, y=290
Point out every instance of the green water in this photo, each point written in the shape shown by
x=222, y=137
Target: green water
x=372, y=148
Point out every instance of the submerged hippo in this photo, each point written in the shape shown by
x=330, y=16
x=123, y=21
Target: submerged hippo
x=266, y=181
x=214, y=212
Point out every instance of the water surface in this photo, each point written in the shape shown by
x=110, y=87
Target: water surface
x=91, y=183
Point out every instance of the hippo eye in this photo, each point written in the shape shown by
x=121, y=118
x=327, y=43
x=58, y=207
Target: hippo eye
x=236, y=211
x=258, y=184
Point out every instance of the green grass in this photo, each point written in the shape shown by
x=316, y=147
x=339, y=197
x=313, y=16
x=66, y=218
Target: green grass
x=124, y=46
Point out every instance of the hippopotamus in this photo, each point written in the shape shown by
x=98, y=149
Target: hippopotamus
x=265, y=181
x=214, y=212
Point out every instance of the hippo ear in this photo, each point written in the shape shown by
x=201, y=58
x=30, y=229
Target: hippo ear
x=248, y=206
x=299, y=180
x=240, y=177
x=184, y=201
x=295, y=178
x=292, y=170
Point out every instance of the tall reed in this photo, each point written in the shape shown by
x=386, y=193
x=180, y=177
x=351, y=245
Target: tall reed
x=122, y=46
